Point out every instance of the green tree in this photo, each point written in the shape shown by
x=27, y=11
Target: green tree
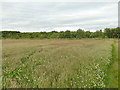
x=67, y=34
x=80, y=33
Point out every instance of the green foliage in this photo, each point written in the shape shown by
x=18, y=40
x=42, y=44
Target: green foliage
x=110, y=33
x=80, y=33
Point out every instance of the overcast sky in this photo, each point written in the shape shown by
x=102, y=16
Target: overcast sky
x=58, y=16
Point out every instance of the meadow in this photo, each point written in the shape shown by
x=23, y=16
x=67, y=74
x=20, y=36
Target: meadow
x=84, y=63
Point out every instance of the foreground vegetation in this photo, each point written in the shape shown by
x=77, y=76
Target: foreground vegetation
x=119, y=62
x=87, y=63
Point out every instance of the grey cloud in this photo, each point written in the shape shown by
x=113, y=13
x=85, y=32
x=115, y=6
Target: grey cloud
x=51, y=15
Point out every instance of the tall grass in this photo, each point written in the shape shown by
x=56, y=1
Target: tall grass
x=58, y=63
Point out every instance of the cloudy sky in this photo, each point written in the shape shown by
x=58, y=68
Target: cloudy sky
x=58, y=16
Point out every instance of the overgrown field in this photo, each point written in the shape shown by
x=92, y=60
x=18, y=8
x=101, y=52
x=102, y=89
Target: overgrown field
x=60, y=63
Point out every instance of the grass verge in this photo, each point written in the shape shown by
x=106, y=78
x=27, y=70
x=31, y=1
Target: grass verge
x=111, y=79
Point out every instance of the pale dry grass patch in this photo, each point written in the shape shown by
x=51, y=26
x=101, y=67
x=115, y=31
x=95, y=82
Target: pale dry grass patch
x=55, y=63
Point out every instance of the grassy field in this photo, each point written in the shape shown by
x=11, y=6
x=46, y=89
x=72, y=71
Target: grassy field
x=85, y=63
x=119, y=63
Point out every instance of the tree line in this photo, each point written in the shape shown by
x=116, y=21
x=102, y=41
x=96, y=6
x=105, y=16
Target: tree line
x=80, y=33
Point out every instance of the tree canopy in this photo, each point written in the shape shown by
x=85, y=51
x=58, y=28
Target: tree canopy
x=80, y=33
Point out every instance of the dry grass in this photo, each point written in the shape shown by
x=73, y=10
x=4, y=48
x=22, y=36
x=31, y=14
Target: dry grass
x=55, y=63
